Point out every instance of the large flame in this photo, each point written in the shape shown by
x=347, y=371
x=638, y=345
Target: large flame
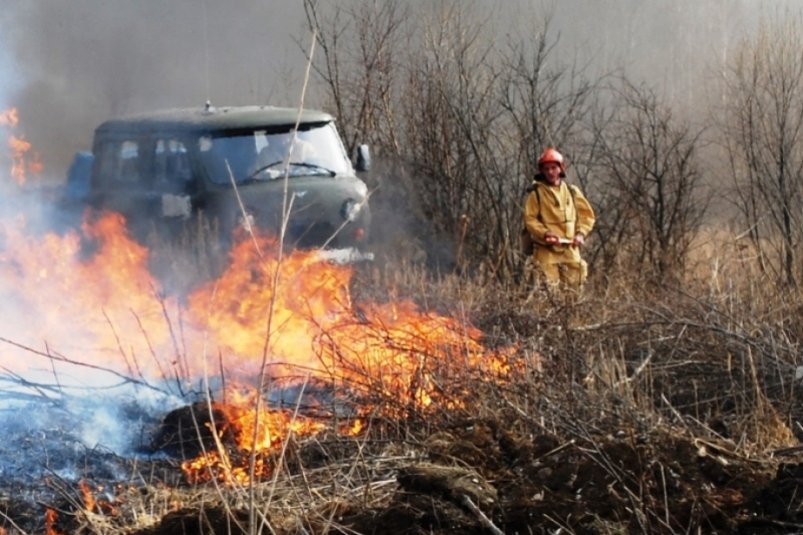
x=293, y=317
x=82, y=306
x=84, y=298
x=88, y=299
x=296, y=315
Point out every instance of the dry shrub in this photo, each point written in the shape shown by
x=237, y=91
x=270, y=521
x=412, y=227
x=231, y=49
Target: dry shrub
x=660, y=406
x=719, y=350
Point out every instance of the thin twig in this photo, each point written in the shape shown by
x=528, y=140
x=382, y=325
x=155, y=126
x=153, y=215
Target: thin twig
x=484, y=520
x=53, y=357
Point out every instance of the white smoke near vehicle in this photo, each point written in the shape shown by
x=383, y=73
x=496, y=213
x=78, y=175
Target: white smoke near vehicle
x=53, y=407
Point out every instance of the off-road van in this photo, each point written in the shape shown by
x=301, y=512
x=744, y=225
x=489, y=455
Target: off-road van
x=232, y=165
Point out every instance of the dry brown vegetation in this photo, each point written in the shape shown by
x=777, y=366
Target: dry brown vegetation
x=664, y=400
x=638, y=408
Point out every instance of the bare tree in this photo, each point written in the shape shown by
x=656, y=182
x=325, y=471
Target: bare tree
x=357, y=63
x=461, y=118
x=543, y=103
x=763, y=135
x=450, y=113
x=649, y=183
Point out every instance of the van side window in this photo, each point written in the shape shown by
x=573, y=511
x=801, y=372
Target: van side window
x=128, y=162
x=118, y=161
x=171, y=163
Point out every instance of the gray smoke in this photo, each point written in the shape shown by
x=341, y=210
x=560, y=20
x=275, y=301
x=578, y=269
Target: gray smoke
x=69, y=64
x=75, y=63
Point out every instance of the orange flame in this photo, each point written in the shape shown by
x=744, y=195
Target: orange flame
x=256, y=430
x=355, y=429
x=21, y=163
x=9, y=117
x=55, y=291
x=88, y=496
x=94, y=505
x=285, y=319
x=50, y=520
x=296, y=315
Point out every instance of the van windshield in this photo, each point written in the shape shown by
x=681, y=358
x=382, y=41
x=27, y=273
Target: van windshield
x=267, y=154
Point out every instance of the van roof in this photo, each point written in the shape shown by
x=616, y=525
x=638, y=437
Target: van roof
x=211, y=118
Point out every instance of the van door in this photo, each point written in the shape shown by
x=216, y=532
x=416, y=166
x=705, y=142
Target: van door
x=146, y=180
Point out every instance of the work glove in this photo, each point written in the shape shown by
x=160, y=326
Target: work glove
x=551, y=239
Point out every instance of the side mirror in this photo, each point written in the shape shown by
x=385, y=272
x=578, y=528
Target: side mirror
x=363, y=158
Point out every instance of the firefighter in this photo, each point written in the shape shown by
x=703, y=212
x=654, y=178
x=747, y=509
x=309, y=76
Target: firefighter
x=559, y=218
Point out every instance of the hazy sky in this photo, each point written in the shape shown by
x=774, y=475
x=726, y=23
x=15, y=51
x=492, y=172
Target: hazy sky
x=69, y=64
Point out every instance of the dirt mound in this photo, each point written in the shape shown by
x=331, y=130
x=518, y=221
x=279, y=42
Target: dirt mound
x=478, y=476
x=481, y=476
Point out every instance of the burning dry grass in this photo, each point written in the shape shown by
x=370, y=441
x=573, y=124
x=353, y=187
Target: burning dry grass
x=636, y=408
x=537, y=459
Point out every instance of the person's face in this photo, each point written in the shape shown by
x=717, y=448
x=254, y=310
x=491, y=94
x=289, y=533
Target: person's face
x=551, y=172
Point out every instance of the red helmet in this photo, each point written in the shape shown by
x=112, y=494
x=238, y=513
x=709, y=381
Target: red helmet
x=551, y=155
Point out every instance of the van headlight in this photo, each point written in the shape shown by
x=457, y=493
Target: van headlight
x=351, y=210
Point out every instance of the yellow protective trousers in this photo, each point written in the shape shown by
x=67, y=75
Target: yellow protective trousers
x=560, y=264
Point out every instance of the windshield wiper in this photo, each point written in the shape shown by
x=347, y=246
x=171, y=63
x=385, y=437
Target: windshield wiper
x=262, y=169
x=314, y=166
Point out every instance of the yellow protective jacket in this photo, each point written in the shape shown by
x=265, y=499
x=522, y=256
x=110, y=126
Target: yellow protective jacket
x=558, y=209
